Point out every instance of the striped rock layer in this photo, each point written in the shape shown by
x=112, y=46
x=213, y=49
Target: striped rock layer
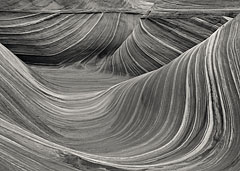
x=62, y=39
x=80, y=5
x=183, y=116
x=111, y=42
x=195, y=4
x=185, y=8
x=155, y=42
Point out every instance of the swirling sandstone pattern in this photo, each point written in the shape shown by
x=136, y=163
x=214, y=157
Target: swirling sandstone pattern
x=75, y=4
x=126, y=44
x=183, y=116
x=61, y=39
x=155, y=42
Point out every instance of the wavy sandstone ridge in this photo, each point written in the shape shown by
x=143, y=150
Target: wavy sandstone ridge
x=155, y=42
x=62, y=39
x=118, y=43
x=75, y=4
x=183, y=116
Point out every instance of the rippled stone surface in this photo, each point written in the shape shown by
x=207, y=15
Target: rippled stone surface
x=156, y=93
